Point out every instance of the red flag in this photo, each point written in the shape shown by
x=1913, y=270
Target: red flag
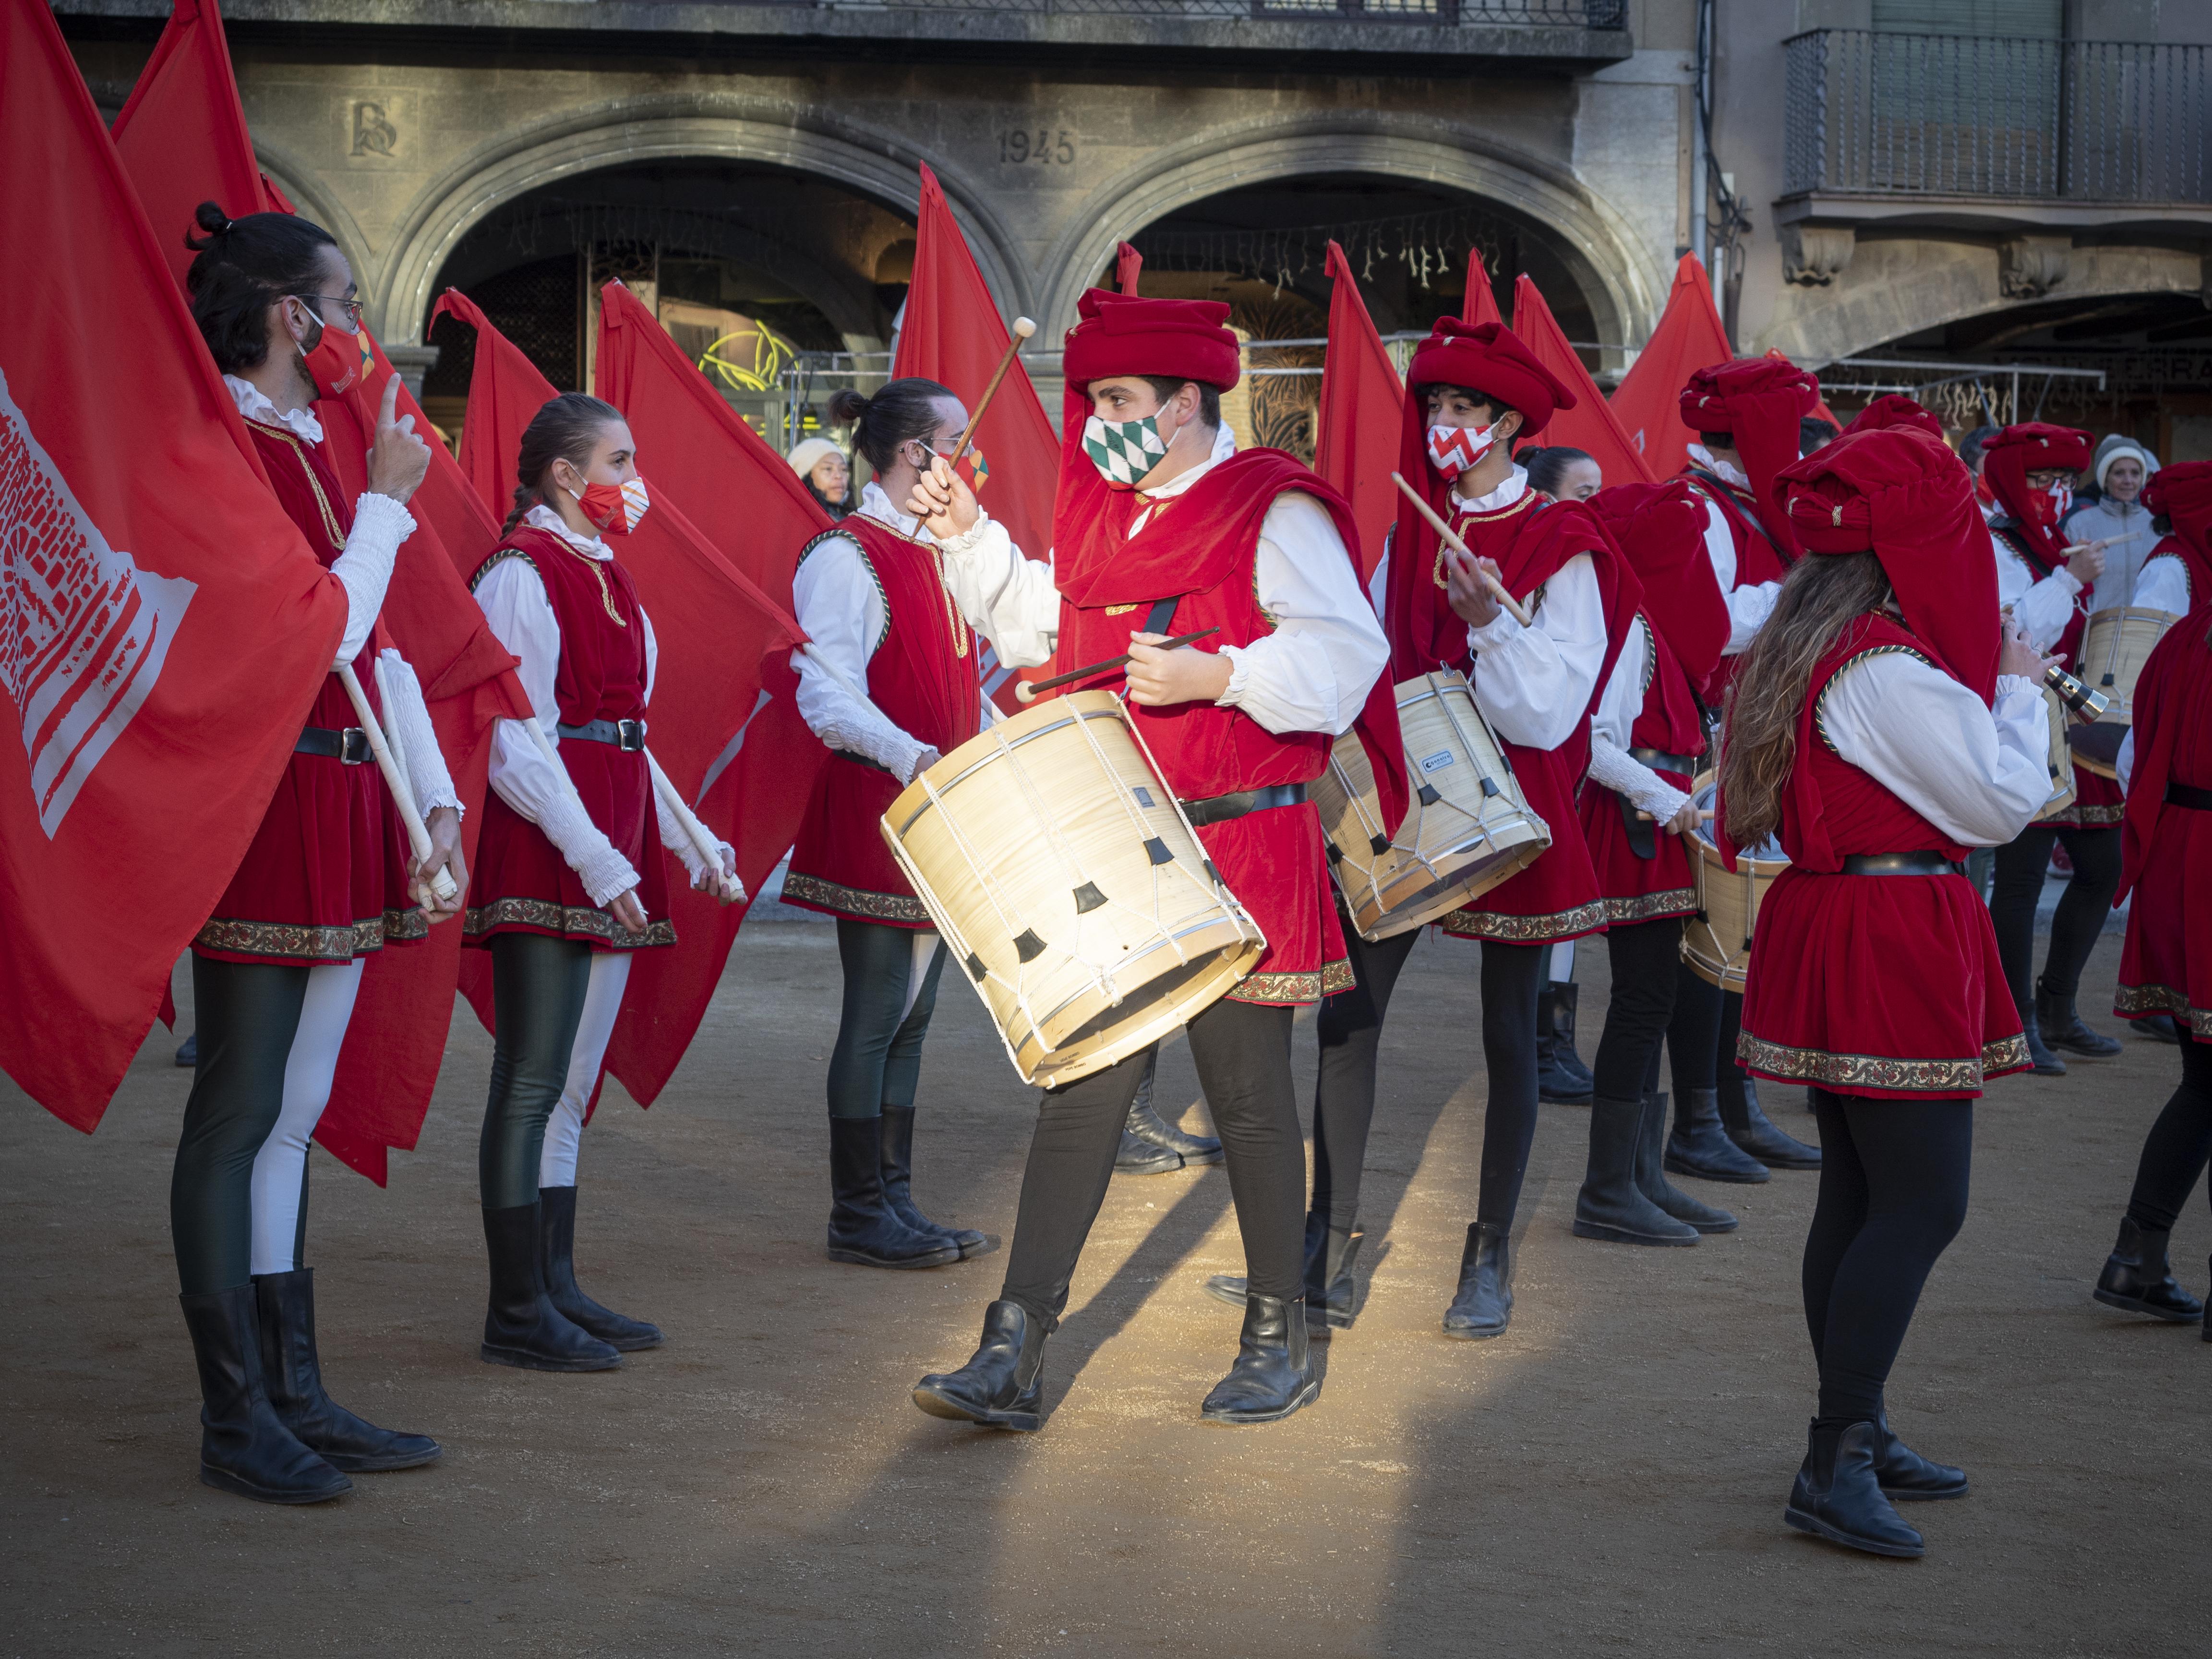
x=163, y=627
x=1590, y=425
x=1128, y=265
x=1480, y=304
x=1362, y=409
x=505, y=390
x=953, y=334
x=1689, y=337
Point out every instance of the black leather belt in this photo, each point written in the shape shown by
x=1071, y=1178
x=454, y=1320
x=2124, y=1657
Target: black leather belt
x=2184, y=795
x=1660, y=761
x=624, y=734
x=1901, y=864
x=349, y=745
x=1220, y=809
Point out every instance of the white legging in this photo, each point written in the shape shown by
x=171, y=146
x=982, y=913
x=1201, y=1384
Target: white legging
x=280, y=1168
x=564, y=1130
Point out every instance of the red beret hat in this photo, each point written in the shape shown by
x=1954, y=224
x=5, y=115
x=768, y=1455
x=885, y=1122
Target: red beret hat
x=2045, y=446
x=1895, y=408
x=1122, y=334
x=1486, y=357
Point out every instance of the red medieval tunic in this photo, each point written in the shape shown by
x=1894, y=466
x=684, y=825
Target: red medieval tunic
x=1637, y=886
x=2165, y=962
x=923, y=677
x=521, y=883
x=1883, y=986
x=326, y=879
x=2098, y=802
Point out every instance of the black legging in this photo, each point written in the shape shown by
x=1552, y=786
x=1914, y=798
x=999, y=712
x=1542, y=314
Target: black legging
x=248, y=1013
x=2179, y=1142
x=1893, y=1178
x=537, y=987
x=877, y=1060
x=1243, y=1052
x=2080, y=917
x=1644, y=955
x=1693, y=1032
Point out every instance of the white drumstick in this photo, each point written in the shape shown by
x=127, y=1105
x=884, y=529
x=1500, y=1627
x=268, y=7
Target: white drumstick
x=701, y=838
x=418, y=834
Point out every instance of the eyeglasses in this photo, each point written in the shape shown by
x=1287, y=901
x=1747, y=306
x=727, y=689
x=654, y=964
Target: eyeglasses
x=353, y=308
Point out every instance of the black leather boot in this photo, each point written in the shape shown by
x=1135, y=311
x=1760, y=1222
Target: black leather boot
x=1751, y=1129
x=188, y=1051
x=1651, y=1176
x=1483, y=1305
x=1700, y=1145
x=1562, y=1079
x=556, y=1244
x=1611, y=1206
x=1904, y=1476
x=2062, y=1027
x=1331, y=1293
x=1146, y=1125
x=522, y=1328
x=1272, y=1376
x=1002, y=1384
x=2158, y=1028
x=1838, y=1497
x=292, y=1375
x=2136, y=1278
x=863, y=1228
x=898, y=1186
x=245, y=1447
x=2041, y=1061
x=1140, y=1156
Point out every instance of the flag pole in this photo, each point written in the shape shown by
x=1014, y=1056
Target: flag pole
x=1022, y=329
x=418, y=835
x=1513, y=608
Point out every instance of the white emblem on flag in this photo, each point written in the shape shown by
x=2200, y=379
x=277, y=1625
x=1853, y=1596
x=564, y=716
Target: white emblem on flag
x=83, y=631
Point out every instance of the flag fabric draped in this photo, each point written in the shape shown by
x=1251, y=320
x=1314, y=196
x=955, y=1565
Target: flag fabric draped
x=953, y=334
x=1591, y=426
x=1689, y=337
x=1362, y=408
x=1129, y=266
x=163, y=627
x=1480, y=304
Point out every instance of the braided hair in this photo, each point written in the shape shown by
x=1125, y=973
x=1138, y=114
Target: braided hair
x=565, y=428
x=241, y=268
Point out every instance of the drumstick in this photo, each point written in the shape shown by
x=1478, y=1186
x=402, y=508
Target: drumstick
x=1027, y=690
x=418, y=834
x=701, y=838
x=1705, y=815
x=1497, y=587
x=1022, y=329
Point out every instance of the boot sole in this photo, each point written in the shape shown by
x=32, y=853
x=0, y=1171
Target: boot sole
x=1612, y=1235
x=1466, y=1333
x=1782, y=1162
x=1673, y=1164
x=379, y=1465
x=1150, y=1168
x=1304, y=1397
x=523, y=1360
x=951, y=1411
x=970, y=1252
x=1566, y=1100
x=934, y=1259
x=1897, y=1494
x=223, y=1480
x=1710, y=1229
x=1820, y=1529
x=2112, y=1052
x=2130, y=1305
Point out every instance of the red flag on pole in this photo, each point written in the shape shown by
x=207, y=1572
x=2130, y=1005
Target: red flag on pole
x=1480, y=304
x=954, y=335
x=1689, y=337
x=1128, y=265
x=163, y=627
x=1590, y=425
x=505, y=390
x=1362, y=406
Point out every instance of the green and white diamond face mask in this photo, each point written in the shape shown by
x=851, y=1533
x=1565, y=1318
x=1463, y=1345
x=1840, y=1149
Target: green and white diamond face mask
x=1124, y=450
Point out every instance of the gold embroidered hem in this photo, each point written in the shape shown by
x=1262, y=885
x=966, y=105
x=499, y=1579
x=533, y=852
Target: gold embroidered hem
x=1471, y=923
x=811, y=892
x=297, y=941
x=2088, y=817
x=567, y=921
x=1881, y=1072
x=2135, y=1002
x=1276, y=989
x=1675, y=901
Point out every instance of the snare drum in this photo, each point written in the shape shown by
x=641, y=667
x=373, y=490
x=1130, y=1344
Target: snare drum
x=2061, y=756
x=1069, y=887
x=1716, y=941
x=2114, y=648
x=1466, y=827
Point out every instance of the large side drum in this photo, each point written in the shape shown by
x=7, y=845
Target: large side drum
x=2114, y=648
x=1716, y=941
x=2061, y=760
x=1069, y=887
x=1467, y=829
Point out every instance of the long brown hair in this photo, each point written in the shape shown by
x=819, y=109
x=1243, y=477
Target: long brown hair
x=1820, y=595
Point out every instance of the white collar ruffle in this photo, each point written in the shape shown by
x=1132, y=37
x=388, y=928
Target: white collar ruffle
x=1721, y=470
x=1515, y=485
x=542, y=517
x=254, y=405
x=1224, y=445
x=876, y=503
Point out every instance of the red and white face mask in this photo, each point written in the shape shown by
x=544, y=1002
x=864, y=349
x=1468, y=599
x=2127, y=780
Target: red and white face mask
x=1453, y=449
x=616, y=509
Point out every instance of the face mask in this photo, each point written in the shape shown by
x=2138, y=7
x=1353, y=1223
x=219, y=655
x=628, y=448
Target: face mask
x=1124, y=450
x=2061, y=501
x=2046, y=506
x=616, y=509
x=335, y=361
x=1453, y=449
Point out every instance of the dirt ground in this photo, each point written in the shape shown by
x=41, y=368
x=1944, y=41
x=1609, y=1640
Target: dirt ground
x=1608, y=1478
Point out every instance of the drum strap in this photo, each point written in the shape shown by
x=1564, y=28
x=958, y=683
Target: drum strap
x=1162, y=614
x=1641, y=839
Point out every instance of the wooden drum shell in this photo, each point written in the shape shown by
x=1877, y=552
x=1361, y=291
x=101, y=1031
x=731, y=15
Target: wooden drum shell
x=2115, y=645
x=1716, y=941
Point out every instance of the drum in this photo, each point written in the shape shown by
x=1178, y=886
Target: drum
x=1716, y=941
x=2114, y=648
x=1069, y=887
x=2061, y=757
x=1466, y=828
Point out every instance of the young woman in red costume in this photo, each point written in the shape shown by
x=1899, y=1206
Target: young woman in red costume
x=569, y=881
x=1163, y=526
x=326, y=882
x=1881, y=727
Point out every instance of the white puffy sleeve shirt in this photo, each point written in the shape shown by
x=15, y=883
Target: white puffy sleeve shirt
x=1980, y=775
x=2043, y=606
x=1619, y=706
x=2164, y=586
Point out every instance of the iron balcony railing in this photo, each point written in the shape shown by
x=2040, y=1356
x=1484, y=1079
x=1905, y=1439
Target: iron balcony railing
x=1547, y=13
x=1976, y=115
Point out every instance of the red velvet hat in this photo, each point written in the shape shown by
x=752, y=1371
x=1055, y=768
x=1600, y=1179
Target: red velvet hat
x=2183, y=493
x=2031, y=447
x=1487, y=357
x=1121, y=334
x=1749, y=390
x=1662, y=529
x=1895, y=408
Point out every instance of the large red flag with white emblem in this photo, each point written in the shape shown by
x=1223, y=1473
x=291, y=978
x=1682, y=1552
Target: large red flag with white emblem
x=163, y=627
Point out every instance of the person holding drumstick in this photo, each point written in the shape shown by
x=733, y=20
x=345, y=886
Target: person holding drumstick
x=568, y=882
x=1163, y=527
x=1882, y=726
x=326, y=882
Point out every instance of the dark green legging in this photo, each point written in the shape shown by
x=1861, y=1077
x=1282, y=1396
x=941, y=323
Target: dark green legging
x=538, y=985
x=877, y=1060
x=247, y=1015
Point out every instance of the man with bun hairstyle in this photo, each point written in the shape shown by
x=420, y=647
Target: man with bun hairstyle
x=1163, y=526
